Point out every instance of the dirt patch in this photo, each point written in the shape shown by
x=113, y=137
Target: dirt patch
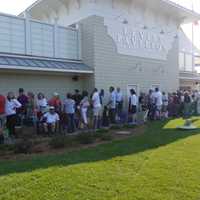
x=41, y=144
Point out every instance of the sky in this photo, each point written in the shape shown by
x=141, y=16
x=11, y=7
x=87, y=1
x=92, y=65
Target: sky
x=14, y=7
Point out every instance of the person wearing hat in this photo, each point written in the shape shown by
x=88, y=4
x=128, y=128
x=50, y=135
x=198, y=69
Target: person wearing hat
x=50, y=120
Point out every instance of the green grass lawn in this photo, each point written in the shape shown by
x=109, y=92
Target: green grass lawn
x=162, y=164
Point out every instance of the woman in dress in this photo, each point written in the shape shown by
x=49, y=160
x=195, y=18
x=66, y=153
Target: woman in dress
x=84, y=105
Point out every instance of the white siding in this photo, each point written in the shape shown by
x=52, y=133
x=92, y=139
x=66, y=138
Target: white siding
x=21, y=36
x=113, y=69
x=67, y=43
x=42, y=39
x=36, y=82
x=12, y=35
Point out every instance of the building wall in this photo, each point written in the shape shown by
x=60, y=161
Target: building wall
x=45, y=83
x=87, y=40
x=112, y=68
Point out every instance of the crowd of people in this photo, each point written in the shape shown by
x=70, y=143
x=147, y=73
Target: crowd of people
x=84, y=111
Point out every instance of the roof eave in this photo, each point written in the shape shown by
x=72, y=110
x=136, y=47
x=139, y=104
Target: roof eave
x=184, y=14
x=39, y=69
x=187, y=14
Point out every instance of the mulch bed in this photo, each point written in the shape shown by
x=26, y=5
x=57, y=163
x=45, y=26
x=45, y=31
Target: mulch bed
x=41, y=144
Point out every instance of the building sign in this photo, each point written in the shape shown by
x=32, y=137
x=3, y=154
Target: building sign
x=139, y=42
x=138, y=39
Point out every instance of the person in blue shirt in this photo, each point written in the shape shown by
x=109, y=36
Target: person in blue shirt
x=69, y=109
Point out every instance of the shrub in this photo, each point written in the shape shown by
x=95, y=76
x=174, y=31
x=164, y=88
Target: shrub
x=85, y=138
x=26, y=133
x=116, y=127
x=129, y=126
x=102, y=130
x=105, y=136
x=24, y=146
x=59, y=142
x=7, y=147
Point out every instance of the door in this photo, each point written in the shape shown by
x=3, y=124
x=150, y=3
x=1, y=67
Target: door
x=154, y=86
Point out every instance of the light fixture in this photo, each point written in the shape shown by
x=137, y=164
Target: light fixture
x=176, y=36
x=75, y=78
x=162, y=32
x=125, y=21
x=145, y=27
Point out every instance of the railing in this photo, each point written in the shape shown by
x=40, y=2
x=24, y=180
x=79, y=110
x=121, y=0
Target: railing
x=30, y=37
x=193, y=5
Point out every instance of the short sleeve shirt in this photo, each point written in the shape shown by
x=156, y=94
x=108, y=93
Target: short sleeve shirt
x=51, y=118
x=96, y=100
x=113, y=100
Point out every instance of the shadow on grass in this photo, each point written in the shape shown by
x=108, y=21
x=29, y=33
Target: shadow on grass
x=155, y=136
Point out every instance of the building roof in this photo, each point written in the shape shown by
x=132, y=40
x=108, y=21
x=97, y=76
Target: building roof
x=185, y=15
x=43, y=64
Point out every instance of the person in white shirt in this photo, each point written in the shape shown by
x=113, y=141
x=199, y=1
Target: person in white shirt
x=51, y=121
x=112, y=105
x=12, y=104
x=158, y=103
x=84, y=105
x=41, y=103
x=96, y=104
x=165, y=101
x=119, y=100
x=133, y=104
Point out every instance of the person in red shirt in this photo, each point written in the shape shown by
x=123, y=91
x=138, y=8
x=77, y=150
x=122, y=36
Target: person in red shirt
x=2, y=114
x=2, y=104
x=56, y=102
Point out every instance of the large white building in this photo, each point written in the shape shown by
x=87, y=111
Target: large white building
x=61, y=45
x=189, y=54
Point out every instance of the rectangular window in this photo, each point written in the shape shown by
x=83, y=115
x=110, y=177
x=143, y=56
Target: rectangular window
x=134, y=87
x=181, y=61
x=188, y=62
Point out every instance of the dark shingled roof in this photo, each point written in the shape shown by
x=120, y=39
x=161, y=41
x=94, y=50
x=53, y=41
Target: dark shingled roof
x=37, y=63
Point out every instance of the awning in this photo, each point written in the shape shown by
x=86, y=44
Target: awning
x=189, y=76
x=43, y=64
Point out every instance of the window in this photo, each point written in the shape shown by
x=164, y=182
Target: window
x=181, y=61
x=188, y=62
